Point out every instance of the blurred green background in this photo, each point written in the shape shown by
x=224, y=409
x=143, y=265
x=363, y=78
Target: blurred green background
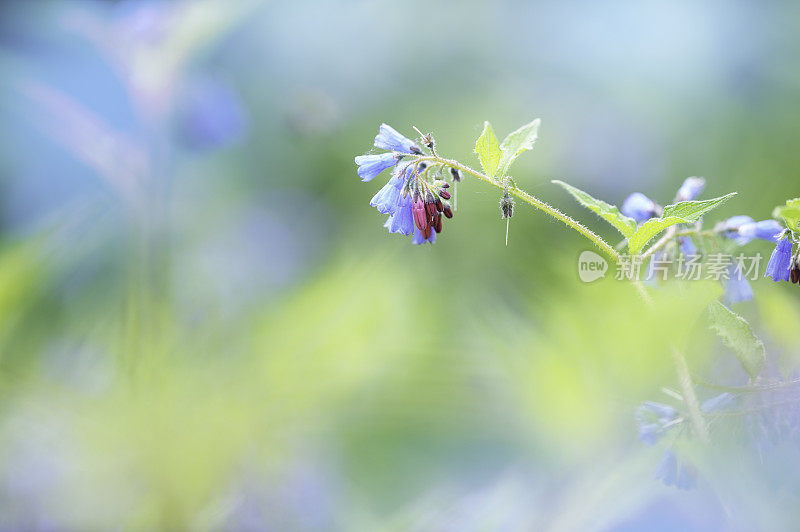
x=204, y=325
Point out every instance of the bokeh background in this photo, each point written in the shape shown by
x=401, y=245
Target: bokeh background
x=203, y=324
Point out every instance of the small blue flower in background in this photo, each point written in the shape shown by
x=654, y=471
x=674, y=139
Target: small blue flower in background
x=687, y=246
x=211, y=115
x=778, y=266
x=639, y=207
x=389, y=139
x=681, y=475
x=369, y=166
x=654, y=420
x=737, y=289
x=690, y=189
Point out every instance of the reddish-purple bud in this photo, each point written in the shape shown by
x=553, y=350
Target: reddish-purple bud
x=420, y=215
x=794, y=273
x=448, y=212
x=456, y=174
x=444, y=194
x=445, y=185
x=439, y=205
x=437, y=223
x=430, y=204
x=426, y=233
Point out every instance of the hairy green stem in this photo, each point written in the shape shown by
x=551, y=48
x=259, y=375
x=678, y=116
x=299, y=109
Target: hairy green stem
x=596, y=239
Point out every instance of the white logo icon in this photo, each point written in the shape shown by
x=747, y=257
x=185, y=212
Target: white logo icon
x=591, y=266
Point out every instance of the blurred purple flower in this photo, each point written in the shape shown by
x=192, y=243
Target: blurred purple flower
x=210, y=116
x=687, y=246
x=654, y=420
x=737, y=289
x=690, y=189
x=672, y=473
x=639, y=207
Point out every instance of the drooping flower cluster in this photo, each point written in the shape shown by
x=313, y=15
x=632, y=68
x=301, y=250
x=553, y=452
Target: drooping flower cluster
x=413, y=198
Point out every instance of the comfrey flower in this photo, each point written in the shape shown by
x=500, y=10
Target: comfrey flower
x=389, y=139
x=737, y=289
x=681, y=475
x=654, y=420
x=639, y=207
x=779, y=262
x=690, y=189
x=369, y=166
x=743, y=230
x=415, y=202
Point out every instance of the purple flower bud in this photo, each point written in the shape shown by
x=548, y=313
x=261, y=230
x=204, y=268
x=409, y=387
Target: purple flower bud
x=768, y=230
x=639, y=207
x=444, y=194
x=691, y=188
x=437, y=223
x=420, y=216
x=448, y=212
x=733, y=223
x=369, y=166
x=389, y=139
x=778, y=266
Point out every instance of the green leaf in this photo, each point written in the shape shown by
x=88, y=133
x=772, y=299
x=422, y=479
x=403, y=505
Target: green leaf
x=685, y=212
x=488, y=150
x=736, y=334
x=790, y=213
x=609, y=213
x=517, y=142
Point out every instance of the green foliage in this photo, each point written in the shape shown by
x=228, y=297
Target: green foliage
x=488, y=150
x=495, y=157
x=736, y=334
x=610, y=213
x=517, y=142
x=685, y=212
x=790, y=213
